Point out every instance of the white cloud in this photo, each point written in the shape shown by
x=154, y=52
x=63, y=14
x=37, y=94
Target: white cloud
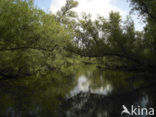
x=97, y=7
x=56, y=5
x=94, y=7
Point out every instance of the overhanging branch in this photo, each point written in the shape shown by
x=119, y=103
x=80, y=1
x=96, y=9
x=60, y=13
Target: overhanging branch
x=27, y=47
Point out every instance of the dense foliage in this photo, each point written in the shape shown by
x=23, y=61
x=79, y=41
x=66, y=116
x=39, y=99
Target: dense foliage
x=118, y=44
x=30, y=39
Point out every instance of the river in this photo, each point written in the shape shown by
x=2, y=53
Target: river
x=76, y=91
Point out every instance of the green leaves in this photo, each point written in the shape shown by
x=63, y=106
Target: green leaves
x=110, y=38
x=66, y=15
x=145, y=7
x=30, y=38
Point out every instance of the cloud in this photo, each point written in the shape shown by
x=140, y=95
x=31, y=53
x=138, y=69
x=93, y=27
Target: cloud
x=56, y=5
x=94, y=7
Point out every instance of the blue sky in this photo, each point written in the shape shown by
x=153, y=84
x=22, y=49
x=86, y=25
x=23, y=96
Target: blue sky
x=94, y=7
x=43, y=4
x=123, y=4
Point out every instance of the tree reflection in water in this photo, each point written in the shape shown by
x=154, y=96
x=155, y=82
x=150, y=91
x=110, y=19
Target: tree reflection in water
x=81, y=91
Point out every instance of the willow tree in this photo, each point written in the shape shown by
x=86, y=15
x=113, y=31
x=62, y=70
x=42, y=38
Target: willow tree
x=30, y=38
x=121, y=45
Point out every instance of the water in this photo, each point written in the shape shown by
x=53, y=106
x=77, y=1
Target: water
x=76, y=91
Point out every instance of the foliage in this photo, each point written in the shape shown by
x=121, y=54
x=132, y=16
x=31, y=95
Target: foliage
x=30, y=39
x=145, y=7
x=33, y=40
x=108, y=38
x=122, y=46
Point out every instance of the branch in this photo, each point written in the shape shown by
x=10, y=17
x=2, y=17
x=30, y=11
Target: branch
x=27, y=47
x=146, y=10
x=104, y=54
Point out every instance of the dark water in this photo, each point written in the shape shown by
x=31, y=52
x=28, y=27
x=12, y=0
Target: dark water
x=76, y=91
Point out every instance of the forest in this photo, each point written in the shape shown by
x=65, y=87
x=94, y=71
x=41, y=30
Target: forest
x=34, y=43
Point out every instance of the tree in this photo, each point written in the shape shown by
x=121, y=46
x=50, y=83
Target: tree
x=145, y=7
x=30, y=38
x=120, y=44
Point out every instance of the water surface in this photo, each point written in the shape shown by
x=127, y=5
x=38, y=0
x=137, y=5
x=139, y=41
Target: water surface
x=75, y=91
